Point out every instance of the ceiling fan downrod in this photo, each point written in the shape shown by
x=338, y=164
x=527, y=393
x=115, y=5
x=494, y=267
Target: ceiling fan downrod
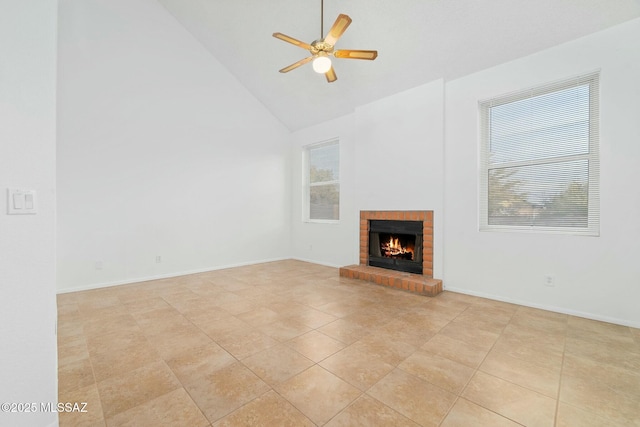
x=321, y=19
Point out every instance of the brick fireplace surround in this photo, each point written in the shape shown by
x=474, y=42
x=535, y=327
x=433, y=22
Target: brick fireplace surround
x=424, y=283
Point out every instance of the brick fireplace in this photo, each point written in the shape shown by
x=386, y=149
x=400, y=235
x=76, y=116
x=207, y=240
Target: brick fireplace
x=423, y=283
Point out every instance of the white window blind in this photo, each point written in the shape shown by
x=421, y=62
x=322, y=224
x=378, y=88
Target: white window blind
x=323, y=181
x=539, y=159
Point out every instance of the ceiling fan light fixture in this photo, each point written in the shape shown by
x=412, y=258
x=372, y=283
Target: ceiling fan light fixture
x=321, y=64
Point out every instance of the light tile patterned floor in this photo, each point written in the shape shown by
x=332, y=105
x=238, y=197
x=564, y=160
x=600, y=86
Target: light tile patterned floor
x=292, y=343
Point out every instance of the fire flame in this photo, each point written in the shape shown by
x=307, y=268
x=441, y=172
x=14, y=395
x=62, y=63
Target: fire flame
x=394, y=248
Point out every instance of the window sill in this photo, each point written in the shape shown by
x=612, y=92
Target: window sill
x=321, y=221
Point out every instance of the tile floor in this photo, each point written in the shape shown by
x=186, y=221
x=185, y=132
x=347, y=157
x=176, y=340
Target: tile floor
x=292, y=343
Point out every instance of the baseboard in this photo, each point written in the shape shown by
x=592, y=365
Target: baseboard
x=312, y=261
x=131, y=280
x=554, y=309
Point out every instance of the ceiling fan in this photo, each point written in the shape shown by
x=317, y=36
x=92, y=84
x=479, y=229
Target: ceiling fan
x=322, y=48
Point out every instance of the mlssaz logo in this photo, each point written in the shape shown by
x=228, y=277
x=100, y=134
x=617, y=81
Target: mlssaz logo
x=64, y=407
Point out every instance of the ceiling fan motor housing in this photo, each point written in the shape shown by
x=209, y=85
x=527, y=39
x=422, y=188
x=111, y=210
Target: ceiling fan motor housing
x=318, y=46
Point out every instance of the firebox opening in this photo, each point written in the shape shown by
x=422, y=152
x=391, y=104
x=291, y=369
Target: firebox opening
x=398, y=246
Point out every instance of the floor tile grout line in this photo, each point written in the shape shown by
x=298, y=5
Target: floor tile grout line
x=299, y=409
x=564, y=350
x=95, y=380
x=476, y=369
x=239, y=407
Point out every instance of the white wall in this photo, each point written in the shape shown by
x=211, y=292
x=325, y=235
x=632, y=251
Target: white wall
x=28, y=360
x=332, y=244
x=596, y=277
x=389, y=149
x=400, y=156
x=161, y=152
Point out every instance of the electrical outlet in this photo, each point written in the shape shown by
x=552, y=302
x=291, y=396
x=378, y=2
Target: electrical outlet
x=158, y=259
x=549, y=280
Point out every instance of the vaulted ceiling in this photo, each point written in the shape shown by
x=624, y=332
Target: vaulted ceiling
x=418, y=41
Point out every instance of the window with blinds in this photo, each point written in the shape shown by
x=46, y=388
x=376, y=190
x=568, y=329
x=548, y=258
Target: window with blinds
x=539, y=159
x=322, y=181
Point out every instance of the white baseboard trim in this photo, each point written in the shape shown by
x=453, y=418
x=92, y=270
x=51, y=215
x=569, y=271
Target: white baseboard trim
x=131, y=280
x=312, y=261
x=555, y=309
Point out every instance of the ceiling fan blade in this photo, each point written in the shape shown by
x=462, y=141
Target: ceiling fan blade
x=296, y=64
x=331, y=75
x=339, y=27
x=291, y=40
x=356, y=54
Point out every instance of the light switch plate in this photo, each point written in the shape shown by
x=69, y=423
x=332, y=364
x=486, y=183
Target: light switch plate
x=21, y=202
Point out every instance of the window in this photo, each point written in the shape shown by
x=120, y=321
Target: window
x=322, y=184
x=539, y=159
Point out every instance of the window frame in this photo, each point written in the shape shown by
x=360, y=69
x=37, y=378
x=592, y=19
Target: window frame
x=592, y=157
x=307, y=184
